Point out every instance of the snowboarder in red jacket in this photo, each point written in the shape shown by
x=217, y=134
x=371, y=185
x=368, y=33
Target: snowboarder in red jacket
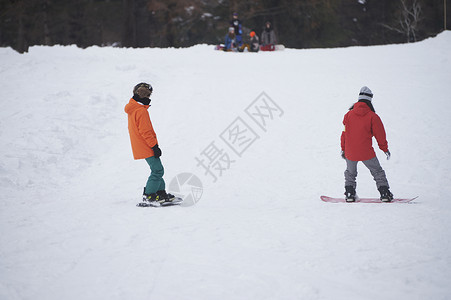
x=361, y=123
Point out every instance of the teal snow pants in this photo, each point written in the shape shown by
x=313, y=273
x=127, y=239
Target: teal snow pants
x=155, y=182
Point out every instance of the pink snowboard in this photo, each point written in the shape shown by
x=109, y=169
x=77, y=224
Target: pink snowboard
x=365, y=200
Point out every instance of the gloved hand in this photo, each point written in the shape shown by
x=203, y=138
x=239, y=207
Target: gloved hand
x=388, y=154
x=343, y=154
x=156, y=151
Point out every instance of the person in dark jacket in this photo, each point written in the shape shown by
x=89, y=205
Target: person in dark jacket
x=252, y=43
x=361, y=123
x=268, y=37
x=236, y=24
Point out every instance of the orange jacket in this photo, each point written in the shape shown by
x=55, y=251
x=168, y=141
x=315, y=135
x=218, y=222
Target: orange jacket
x=142, y=135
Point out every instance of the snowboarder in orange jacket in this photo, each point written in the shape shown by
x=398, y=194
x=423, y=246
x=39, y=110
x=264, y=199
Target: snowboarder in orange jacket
x=145, y=144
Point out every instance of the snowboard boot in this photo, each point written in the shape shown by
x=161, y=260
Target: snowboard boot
x=153, y=199
x=165, y=197
x=386, y=195
x=350, y=193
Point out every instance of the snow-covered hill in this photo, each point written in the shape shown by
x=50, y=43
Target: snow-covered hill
x=258, y=136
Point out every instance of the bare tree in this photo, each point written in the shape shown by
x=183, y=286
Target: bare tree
x=45, y=17
x=409, y=17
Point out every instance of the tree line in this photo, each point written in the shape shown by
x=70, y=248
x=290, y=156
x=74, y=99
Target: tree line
x=182, y=23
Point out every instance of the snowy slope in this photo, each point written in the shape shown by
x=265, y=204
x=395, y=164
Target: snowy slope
x=68, y=225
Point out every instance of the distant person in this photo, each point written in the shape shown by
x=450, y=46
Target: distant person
x=230, y=40
x=252, y=43
x=268, y=37
x=236, y=24
x=145, y=144
x=361, y=123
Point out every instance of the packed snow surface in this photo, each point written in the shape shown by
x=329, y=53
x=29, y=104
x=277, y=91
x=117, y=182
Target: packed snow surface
x=258, y=137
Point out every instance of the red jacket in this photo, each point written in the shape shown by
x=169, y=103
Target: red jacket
x=142, y=135
x=361, y=124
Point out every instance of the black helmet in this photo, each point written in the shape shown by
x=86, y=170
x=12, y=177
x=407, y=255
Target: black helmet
x=143, y=90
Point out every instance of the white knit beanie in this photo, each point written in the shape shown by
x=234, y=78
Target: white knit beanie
x=365, y=94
